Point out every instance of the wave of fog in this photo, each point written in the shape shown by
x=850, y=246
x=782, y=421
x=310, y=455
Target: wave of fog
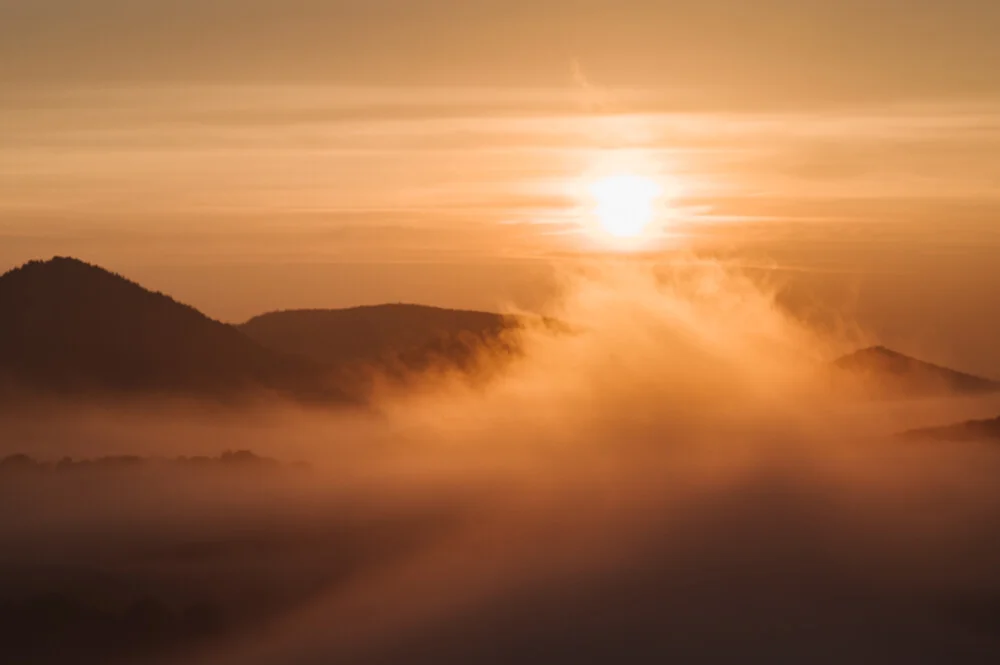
x=675, y=480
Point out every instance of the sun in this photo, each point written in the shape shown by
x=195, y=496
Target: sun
x=625, y=205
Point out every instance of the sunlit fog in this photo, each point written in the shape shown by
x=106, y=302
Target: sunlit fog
x=389, y=332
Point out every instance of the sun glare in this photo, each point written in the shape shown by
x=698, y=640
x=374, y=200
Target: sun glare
x=625, y=205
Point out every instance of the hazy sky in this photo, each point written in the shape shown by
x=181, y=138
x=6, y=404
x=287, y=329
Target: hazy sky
x=253, y=154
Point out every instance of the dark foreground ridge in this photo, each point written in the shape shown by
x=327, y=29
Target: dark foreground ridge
x=889, y=372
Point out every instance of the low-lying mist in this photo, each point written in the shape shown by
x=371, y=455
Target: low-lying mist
x=675, y=480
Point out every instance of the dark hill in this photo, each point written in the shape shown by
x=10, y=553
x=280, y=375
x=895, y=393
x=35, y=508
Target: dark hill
x=885, y=371
x=69, y=327
x=409, y=337
x=973, y=430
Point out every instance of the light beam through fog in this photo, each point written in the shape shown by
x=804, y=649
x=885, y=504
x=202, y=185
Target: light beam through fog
x=673, y=481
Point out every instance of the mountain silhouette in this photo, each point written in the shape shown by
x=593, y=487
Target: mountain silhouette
x=885, y=371
x=69, y=327
x=972, y=430
x=387, y=337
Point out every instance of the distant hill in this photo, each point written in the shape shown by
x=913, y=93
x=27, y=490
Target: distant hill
x=67, y=327
x=386, y=337
x=228, y=460
x=881, y=370
x=972, y=430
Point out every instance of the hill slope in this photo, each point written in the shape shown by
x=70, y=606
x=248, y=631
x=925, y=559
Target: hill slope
x=885, y=371
x=972, y=430
x=70, y=327
x=409, y=337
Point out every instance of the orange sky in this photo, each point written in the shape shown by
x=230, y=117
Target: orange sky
x=252, y=155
